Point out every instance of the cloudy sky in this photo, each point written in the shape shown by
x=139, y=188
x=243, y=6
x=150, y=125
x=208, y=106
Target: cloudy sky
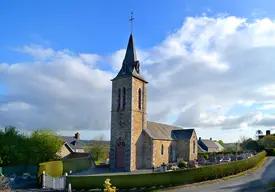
x=209, y=66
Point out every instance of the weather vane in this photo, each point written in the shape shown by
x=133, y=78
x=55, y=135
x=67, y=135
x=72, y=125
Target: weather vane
x=131, y=20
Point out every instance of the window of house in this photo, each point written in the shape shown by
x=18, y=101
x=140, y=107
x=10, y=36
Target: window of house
x=139, y=99
x=124, y=97
x=118, y=99
x=162, y=149
x=194, y=147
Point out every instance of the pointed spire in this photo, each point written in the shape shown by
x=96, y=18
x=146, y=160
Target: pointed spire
x=131, y=55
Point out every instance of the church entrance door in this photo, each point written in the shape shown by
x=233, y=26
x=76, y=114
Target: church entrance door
x=120, y=151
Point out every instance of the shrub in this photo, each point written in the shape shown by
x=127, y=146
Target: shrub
x=270, y=152
x=182, y=164
x=124, y=181
x=205, y=156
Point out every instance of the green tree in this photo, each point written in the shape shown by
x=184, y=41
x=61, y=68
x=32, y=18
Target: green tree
x=16, y=148
x=221, y=143
x=268, y=141
x=98, y=149
x=45, y=144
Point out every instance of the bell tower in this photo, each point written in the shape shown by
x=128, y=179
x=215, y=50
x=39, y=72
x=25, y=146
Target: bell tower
x=128, y=114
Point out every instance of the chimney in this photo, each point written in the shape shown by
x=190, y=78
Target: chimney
x=267, y=132
x=77, y=135
x=199, y=138
x=210, y=139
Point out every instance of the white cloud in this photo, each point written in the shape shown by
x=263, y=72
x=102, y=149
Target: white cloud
x=208, y=62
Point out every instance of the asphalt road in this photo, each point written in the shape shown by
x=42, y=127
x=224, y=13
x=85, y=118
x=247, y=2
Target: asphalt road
x=255, y=181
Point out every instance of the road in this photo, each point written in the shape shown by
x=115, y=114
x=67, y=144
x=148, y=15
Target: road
x=254, y=181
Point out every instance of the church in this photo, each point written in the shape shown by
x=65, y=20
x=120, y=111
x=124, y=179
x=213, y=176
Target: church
x=135, y=142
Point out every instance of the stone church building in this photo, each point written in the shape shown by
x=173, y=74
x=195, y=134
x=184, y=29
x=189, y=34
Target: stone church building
x=135, y=142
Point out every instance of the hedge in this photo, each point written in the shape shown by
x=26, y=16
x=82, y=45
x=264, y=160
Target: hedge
x=127, y=181
x=52, y=168
x=59, y=168
x=77, y=165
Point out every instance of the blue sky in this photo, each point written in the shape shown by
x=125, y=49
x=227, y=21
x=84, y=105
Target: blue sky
x=102, y=27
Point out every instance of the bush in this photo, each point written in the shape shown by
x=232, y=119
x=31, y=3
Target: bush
x=270, y=152
x=123, y=181
x=205, y=156
x=182, y=164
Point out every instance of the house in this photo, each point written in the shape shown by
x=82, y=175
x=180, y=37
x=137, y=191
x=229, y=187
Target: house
x=208, y=146
x=71, y=147
x=221, y=148
x=266, y=133
x=135, y=142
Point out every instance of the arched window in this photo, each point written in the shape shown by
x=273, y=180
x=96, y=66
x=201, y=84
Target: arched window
x=194, y=147
x=162, y=149
x=139, y=99
x=118, y=99
x=124, y=97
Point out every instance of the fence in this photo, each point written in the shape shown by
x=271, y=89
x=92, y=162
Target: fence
x=51, y=182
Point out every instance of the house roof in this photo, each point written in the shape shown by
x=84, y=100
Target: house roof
x=167, y=132
x=219, y=145
x=72, y=142
x=209, y=143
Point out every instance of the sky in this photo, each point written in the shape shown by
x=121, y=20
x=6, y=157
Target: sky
x=209, y=64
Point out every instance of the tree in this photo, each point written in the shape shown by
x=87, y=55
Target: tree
x=221, y=143
x=98, y=149
x=16, y=148
x=268, y=142
x=44, y=144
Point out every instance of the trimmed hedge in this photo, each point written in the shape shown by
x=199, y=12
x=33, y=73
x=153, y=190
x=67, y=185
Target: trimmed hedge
x=52, y=168
x=59, y=168
x=127, y=181
x=77, y=165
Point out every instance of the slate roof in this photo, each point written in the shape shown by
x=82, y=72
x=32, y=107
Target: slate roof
x=130, y=66
x=167, y=132
x=72, y=142
x=219, y=145
x=209, y=143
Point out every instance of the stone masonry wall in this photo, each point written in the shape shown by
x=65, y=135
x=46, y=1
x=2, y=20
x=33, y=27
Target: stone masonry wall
x=121, y=121
x=147, y=151
x=193, y=155
x=158, y=158
x=139, y=121
x=183, y=149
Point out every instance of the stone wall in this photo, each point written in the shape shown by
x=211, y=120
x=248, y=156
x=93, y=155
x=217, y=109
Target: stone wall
x=183, y=149
x=147, y=151
x=158, y=158
x=193, y=153
x=139, y=122
x=121, y=121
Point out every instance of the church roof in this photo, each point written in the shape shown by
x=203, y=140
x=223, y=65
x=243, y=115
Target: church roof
x=130, y=66
x=167, y=132
x=209, y=143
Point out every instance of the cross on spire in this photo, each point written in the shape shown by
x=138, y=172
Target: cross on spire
x=131, y=21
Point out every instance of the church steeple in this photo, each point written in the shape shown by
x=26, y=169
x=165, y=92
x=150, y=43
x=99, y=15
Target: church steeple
x=130, y=65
